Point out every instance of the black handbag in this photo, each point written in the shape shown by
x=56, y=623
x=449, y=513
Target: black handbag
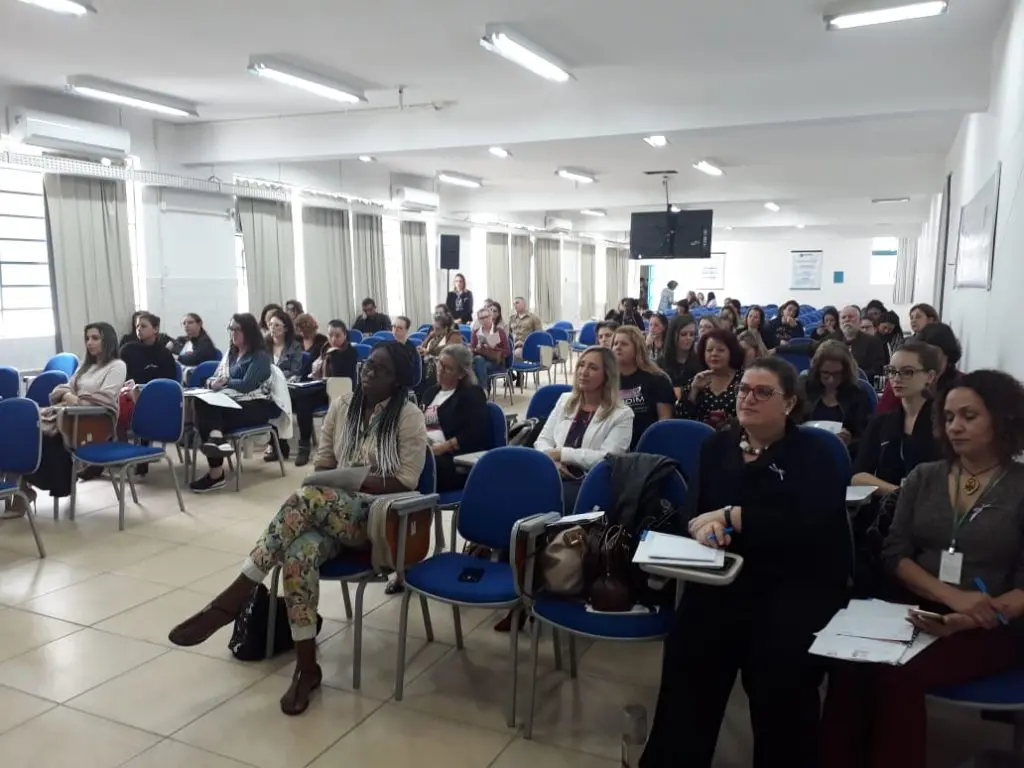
x=249, y=638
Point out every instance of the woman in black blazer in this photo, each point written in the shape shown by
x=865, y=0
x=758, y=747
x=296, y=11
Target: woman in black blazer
x=460, y=301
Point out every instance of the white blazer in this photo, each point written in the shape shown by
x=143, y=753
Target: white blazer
x=603, y=436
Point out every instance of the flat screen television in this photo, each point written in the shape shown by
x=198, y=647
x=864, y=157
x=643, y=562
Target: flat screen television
x=667, y=235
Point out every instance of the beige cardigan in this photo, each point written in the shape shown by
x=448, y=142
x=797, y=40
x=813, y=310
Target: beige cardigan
x=99, y=385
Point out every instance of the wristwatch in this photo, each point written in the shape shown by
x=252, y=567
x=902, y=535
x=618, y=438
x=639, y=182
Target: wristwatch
x=727, y=512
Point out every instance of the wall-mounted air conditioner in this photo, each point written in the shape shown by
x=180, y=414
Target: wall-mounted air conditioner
x=554, y=224
x=69, y=135
x=412, y=199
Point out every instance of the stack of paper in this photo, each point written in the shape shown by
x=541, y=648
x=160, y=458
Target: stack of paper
x=873, y=632
x=666, y=549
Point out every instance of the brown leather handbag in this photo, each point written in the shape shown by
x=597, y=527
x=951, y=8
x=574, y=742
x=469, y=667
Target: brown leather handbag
x=609, y=562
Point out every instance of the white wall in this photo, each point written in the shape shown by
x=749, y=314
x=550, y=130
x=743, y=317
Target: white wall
x=983, y=320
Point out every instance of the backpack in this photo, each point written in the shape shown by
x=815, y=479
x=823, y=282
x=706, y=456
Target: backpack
x=249, y=638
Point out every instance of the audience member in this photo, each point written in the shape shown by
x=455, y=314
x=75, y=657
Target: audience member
x=630, y=315
x=680, y=359
x=284, y=347
x=768, y=492
x=867, y=350
x=455, y=337
x=964, y=566
x=691, y=297
x=874, y=311
x=615, y=313
x=311, y=340
x=656, y=328
x=682, y=307
x=606, y=332
x=921, y=315
x=371, y=321
x=294, y=308
x=753, y=347
x=131, y=336
x=711, y=396
x=668, y=297
x=643, y=298
x=829, y=328
x=755, y=321
x=941, y=336
x=643, y=386
x=786, y=325
x=195, y=346
x=522, y=324
x=144, y=359
x=700, y=298
x=712, y=302
x=890, y=332
x=265, y=315
x=460, y=301
x=490, y=348
x=376, y=426
x=867, y=325
x=729, y=319
x=706, y=326
x=436, y=340
x=400, y=328
x=442, y=309
x=833, y=393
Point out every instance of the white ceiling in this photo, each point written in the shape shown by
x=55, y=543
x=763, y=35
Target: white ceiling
x=819, y=122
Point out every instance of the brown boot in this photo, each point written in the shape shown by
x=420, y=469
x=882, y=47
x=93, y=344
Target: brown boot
x=305, y=679
x=224, y=609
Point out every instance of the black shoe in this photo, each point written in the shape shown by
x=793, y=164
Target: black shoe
x=141, y=470
x=302, y=457
x=90, y=473
x=206, y=483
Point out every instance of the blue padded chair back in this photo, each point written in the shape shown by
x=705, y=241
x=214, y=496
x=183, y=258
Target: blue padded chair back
x=22, y=449
x=558, y=334
x=799, y=360
x=803, y=345
x=428, y=477
x=372, y=341
x=833, y=445
x=862, y=375
x=202, y=373
x=65, y=361
x=10, y=382
x=354, y=336
x=544, y=399
x=425, y=329
x=417, y=338
x=464, y=327
x=596, y=491
x=872, y=395
x=43, y=384
x=533, y=343
x=466, y=333
x=179, y=372
x=386, y=335
x=588, y=334
x=499, y=430
x=564, y=325
x=491, y=504
x=363, y=351
x=677, y=439
x=217, y=355
x=159, y=414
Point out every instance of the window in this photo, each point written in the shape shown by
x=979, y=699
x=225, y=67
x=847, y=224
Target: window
x=883, y=261
x=26, y=301
x=393, y=266
x=242, y=280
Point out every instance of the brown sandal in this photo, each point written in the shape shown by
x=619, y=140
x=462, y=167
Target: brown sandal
x=296, y=699
x=201, y=626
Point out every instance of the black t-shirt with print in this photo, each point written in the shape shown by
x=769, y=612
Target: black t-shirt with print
x=642, y=392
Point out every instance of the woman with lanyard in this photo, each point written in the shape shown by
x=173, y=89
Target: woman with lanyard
x=956, y=549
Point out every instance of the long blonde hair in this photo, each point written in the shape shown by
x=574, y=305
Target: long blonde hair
x=610, y=389
x=643, y=353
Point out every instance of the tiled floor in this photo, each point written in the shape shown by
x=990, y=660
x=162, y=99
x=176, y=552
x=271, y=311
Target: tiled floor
x=88, y=679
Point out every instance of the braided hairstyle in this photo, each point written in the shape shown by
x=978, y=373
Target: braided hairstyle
x=386, y=429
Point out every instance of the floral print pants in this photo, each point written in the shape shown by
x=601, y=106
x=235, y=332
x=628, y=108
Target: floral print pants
x=310, y=528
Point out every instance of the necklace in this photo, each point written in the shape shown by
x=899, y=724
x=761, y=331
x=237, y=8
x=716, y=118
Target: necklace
x=972, y=484
x=749, y=449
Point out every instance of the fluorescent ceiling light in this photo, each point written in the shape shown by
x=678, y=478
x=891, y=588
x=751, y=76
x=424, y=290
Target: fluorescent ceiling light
x=800, y=226
x=367, y=159
x=287, y=74
x=728, y=229
x=905, y=12
x=511, y=45
x=888, y=200
x=773, y=207
x=656, y=141
x=574, y=174
x=675, y=209
x=500, y=152
x=709, y=168
x=594, y=212
x=458, y=179
x=127, y=96
x=67, y=7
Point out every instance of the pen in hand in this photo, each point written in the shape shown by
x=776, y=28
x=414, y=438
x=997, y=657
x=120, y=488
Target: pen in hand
x=712, y=537
x=980, y=584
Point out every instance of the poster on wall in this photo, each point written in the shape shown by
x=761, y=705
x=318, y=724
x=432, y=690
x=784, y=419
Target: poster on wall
x=976, y=238
x=806, y=275
x=692, y=274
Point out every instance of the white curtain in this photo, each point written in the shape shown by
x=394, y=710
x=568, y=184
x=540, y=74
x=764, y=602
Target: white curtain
x=499, y=286
x=416, y=270
x=327, y=249
x=588, y=291
x=522, y=256
x=90, y=256
x=617, y=276
x=369, y=260
x=268, y=236
x=906, y=271
x=548, y=279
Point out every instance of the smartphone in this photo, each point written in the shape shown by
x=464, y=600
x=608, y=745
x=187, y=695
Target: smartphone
x=926, y=615
x=471, y=575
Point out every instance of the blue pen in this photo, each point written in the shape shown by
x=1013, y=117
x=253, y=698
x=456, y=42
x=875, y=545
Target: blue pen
x=712, y=537
x=980, y=584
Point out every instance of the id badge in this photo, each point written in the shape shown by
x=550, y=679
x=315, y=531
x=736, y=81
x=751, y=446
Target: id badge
x=951, y=566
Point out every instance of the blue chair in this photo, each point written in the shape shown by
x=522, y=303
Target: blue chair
x=997, y=693
x=571, y=616
x=21, y=453
x=363, y=351
x=532, y=361
x=564, y=325
x=562, y=349
x=425, y=329
x=499, y=439
x=679, y=440
x=587, y=337
x=466, y=333
x=544, y=399
x=504, y=376
x=799, y=360
x=465, y=327
x=831, y=443
x=354, y=336
x=372, y=341
x=10, y=382
x=862, y=375
x=159, y=417
x=64, y=361
x=201, y=374
x=43, y=384
x=872, y=395
x=386, y=335
x=488, y=519
x=179, y=372
x=417, y=338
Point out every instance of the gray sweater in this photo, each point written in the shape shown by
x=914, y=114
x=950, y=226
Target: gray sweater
x=992, y=542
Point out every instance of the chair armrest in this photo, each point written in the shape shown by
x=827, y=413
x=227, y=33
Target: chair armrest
x=734, y=564
x=404, y=516
x=85, y=410
x=405, y=507
x=523, y=549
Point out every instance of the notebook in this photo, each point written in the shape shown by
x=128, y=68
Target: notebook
x=666, y=549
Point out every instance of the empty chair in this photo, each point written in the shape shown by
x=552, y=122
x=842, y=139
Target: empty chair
x=354, y=336
x=43, y=384
x=20, y=453
x=201, y=374
x=678, y=439
x=372, y=341
x=386, y=335
x=363, y=351
x=538, y=352
x=10, y=382
x=544, y=399
x=587, y=337
x=64, y=361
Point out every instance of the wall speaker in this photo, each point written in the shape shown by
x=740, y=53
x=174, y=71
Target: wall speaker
x=449, y=251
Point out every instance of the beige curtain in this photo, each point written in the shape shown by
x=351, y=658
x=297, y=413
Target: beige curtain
x=369, y=260
x=616, y=276
x=588, y=289
x=499, y=286
x=906, y=271
x=521, y=261
x=327, y=248
x=547, y=290
x=90, y=255
x=416, y=271
x=269, y=251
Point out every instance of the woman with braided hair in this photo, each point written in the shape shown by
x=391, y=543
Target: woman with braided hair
x=376, y=427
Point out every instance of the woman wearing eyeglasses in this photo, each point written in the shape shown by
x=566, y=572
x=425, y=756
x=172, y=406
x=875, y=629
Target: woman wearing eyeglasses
x=833, y=393
x=769, y=493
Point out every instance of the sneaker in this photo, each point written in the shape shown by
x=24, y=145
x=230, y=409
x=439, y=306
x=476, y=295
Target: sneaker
x=207, y=483
x=302, y=457
x=217, y=449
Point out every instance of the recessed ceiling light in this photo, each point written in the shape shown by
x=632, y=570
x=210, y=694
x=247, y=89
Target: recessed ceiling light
x=888, y=200
x=594, y=212
x=67, y=7
x=128, y=96
x=709, y=168
x=870, y=17
x=367, y=159
x=656, y=141
x=575, y=174
x=675, y=209
x=458, y=179
x=284, y=73
x=800, y=226
x=728, y=229
x=511, y=45
x=773, y=207
x=500, y=152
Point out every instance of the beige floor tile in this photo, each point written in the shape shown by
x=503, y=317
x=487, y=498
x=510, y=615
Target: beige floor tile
x=393, y=736
x=387, y=616
x=8, y=557
x=17, y=707
x=110, y=552
x=167, y=693
x=251, y=727
x=237, y=539
x=332, y=603
x=173, y=754
x=183, y=528
x=64, y=738
x=179, y=566
x=72, y=665
x=521, y=752
x=632, y=663
x=214, y=583
x=32, y=578
x=95, y=599
x=21, y=631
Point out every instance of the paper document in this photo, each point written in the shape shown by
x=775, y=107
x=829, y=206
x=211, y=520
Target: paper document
x=666, y=549
x=871, y=628
x=343, y=478
x=580, y=519
x=216, y=399
x=858, y=493
x=305, y=384
x=872, y=632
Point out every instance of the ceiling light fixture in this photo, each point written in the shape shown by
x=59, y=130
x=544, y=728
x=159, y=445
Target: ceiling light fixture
x=66, y=7
x=889, y=200
x=575, y=174
x=773, y=207
x=800, y=226
x=594, y=212
x=675, y=209
x=127, y=96
x=704, y=166
x=656, y=141
x=511, y=45
x=367, y=159
x=500, y=152
x=284, y=73
x=459, y=179
x=728, y=229
x=904, y=12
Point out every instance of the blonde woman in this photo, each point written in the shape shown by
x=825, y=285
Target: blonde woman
x=643, y=386
x=753, y=347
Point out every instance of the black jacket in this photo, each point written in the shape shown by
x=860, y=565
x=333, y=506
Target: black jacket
x=203, y=350
x=144, y=363
x=784, y=332
x=870, y=353
x=636, y=498
x=464, y=416
x=853, y=402
x=889, y=454
x=315, y=350
x=371, y=325
x=463, y=314
x=341, y=362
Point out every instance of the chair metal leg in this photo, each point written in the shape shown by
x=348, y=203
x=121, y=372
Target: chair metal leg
x=275, y=576
x=534, y=656
x=347, y=599
x=557, y=640
x=428, y=627
x=238, y=469
x=122, y=477
x=74, y=493
x=30, y=513
x=277, y=446
x=174, y=479
x=403, y=633
x=515, y=665
x=457, y=617
x=131, y=484
x=357, y=641
x=56, y=506
x=572, y=656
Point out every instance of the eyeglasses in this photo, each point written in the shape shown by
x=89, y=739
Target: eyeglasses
x=233, y=328
x=762, y=393
x=904, y=373
x=831, y=375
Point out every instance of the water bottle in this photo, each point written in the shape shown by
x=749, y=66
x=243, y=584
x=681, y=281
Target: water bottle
x=634, y=735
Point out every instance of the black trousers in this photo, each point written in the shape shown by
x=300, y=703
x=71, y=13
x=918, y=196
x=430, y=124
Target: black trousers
x=765, y=640
x=54, y=473
x=252, y=414
x=448, y=477
x=304, y=402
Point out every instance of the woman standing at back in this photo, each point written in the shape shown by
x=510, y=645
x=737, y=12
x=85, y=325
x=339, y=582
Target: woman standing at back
x=460, y=301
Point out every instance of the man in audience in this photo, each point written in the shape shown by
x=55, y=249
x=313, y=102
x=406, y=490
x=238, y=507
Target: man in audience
x=371, y=321
x=668, y=297
x=867, y=349
x=400, y=327
x=522, y=324
x=606, y=333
